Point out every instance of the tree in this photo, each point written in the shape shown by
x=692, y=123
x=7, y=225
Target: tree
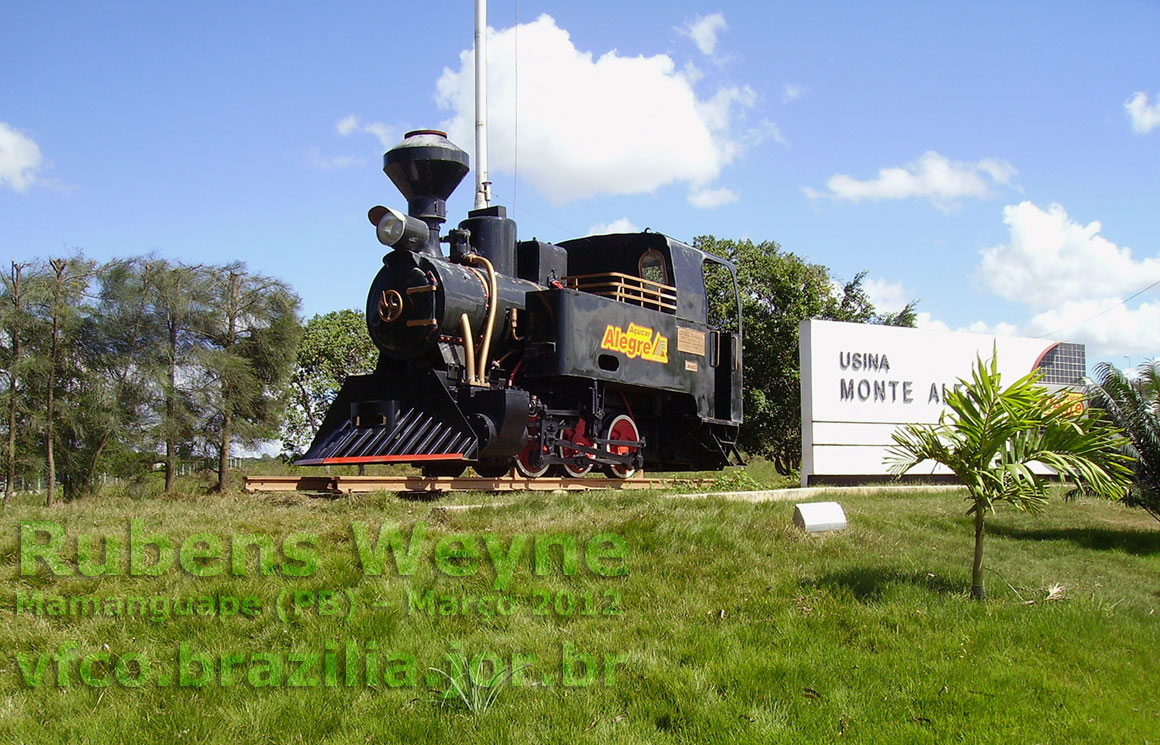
x=1134, y=405
x=19, y=295
x=779, y=290
x=990, y=436
x=69, y=280
x=181, y=301
x=252, y=330
x=333, y=347
x=113, y=363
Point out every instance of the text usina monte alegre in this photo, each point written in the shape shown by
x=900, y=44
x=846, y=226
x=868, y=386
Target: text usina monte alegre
x=874, y=385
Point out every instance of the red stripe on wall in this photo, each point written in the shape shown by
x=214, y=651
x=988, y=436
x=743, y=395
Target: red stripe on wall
x=1039, y=360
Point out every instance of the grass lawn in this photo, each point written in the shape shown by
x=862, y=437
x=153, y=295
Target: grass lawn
x=727, y=625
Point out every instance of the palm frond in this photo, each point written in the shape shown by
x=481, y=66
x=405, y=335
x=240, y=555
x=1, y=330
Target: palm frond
x=1134, y=406
x=990, y=436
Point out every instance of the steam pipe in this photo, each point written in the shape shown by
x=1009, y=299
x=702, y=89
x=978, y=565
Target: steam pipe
x=468, y=348
x=492, y=304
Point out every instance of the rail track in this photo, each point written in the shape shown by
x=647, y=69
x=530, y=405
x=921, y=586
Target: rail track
x=434, y=484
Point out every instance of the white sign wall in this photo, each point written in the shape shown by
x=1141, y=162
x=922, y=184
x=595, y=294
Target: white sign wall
x=860, y=381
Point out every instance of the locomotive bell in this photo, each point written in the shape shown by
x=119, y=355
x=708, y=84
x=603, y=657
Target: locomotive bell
x=426, y=167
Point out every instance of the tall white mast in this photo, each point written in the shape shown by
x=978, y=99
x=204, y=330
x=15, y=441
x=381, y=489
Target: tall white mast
x=482, y=185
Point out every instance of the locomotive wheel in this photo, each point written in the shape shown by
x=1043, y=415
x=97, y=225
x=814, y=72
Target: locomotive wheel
x=524, y=462
x=571, y=470
x=621, y=428
x=493, y=469
x=578, y=435
x=575, y=472
x=452, y=469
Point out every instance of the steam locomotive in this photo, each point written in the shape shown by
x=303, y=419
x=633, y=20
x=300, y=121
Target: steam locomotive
x=548, y=358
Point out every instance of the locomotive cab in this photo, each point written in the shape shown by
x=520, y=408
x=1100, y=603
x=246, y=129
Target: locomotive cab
x=659, y=348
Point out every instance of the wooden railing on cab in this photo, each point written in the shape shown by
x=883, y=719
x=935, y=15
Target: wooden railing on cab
x=627, y=289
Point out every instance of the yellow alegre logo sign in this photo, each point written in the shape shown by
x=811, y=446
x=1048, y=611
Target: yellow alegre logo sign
x=1073, y=401
x=638, y=341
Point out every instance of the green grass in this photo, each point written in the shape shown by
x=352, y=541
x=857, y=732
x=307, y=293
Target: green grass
x=735, y=627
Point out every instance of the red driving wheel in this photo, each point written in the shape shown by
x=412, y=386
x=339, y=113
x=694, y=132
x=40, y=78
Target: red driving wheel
x=578, y=437
x=524, y=460
x=622, y=428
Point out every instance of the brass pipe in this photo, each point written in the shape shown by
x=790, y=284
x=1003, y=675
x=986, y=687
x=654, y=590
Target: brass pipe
x=514, y=321
x=492, y=305
x=468, y=348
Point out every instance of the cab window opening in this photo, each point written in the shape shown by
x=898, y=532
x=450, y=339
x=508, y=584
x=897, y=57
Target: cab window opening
x=652, y=267
x=722, y=304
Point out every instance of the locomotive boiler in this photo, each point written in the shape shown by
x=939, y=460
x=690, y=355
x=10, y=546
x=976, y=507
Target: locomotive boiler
x=599, y=352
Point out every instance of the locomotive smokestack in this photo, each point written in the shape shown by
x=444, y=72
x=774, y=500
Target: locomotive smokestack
x=426, y=167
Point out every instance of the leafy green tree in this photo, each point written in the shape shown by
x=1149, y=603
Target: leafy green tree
x=180, y=304
x=21, y=290
x=252, y=331
x=63, y=313
x=112, y=364
x=779, y=290
x=1135, y=406
x=334, y=345
x=989, y=437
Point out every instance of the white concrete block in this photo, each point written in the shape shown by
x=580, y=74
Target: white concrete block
x=817, y=517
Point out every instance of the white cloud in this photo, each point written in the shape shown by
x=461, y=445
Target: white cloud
x=1076, y=282
x=703, y=31
x=924, y=320
x=718, y=111
x=1144, y=118
x=347, y=125
x=769, y=129
x=589, y=125
x=933, y=177
x=791, y=92
x=388, y=136
x=20, y=158
x=1000, y=171
x=692, y=73
x=623, y=225
x=886, y=296
x=1108, y=327
x=1050, y=258
x=1002, y=328
x=331, y=163
x=707, y=199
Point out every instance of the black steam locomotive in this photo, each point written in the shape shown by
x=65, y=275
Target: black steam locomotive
x=544, y=357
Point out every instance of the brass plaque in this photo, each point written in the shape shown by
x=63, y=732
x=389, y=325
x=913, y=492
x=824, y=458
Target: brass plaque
x=691, y=341
x=691, y=366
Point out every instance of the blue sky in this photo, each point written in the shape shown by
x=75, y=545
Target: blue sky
x=998, y=161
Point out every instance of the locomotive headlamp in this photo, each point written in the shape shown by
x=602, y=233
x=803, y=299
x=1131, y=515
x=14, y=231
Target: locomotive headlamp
x=397, y=230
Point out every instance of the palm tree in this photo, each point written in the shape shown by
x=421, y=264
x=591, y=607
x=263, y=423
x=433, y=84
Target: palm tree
x=1135, y=407
x=989, y=436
